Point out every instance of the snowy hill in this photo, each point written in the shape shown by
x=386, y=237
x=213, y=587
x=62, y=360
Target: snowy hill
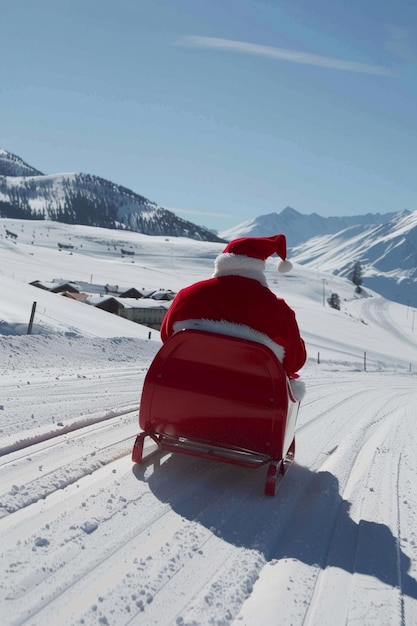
x=86, y=537
x=85, y=199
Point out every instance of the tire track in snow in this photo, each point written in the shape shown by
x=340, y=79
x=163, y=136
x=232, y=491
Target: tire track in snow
x=407, y=517
x=341, y=545
x=57, y=459
x=46, y=400
x=350, y=410
x=173, y=548
x=377, y=311
x=42, y=437
x=68, y=527
x=362, y=546
x=396, y=555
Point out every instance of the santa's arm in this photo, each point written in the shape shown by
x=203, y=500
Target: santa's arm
x=167, y=325
x=295, y=351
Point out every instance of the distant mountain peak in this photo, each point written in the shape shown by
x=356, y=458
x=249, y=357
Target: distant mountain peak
x=298, y=227
x=12, y=165
x=289, y=211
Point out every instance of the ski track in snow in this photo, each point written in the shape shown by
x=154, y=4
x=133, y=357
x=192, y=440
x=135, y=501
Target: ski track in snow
x=197, y=540
x=378, y=311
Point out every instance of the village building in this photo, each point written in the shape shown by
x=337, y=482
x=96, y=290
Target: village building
x=144, y=311
x=142, y=306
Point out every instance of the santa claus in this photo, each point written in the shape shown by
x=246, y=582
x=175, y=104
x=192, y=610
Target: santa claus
x=237, y=301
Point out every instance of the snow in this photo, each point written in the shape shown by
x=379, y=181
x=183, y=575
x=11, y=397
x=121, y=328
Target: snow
x=86, y=537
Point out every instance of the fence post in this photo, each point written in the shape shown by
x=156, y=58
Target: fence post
x=364, y=361
x=32, y=315
x=318, y=358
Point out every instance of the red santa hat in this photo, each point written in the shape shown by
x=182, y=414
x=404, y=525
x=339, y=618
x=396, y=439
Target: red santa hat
x=247, y=255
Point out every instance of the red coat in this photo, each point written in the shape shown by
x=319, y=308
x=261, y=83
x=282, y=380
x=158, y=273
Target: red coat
x=240, y=300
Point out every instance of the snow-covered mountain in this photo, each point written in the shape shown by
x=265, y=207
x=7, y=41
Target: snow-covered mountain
x=385, y=245
x=299, y=227
x=71, y=198
x=387, y=253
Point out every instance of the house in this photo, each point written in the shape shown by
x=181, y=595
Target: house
x=163, y=294
x=144, y=311
x=56, y=286
x=111, y=288
x=80, y=297
x=131, y=293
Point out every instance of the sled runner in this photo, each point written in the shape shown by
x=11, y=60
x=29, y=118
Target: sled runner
x=221, y=398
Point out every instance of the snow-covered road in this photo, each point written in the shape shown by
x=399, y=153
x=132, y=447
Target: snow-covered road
x=89, y=538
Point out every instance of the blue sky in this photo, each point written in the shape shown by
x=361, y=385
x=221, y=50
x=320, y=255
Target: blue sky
x=220, y=110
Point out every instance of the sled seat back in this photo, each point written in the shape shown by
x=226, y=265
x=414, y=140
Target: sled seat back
x=219, y=391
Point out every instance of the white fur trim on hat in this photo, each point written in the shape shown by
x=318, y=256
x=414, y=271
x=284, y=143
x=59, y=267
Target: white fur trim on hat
x=228, y=264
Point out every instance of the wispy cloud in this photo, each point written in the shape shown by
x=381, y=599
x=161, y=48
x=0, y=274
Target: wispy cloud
x=281, y=54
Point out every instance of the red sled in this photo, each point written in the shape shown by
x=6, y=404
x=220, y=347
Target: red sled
x=222, y=398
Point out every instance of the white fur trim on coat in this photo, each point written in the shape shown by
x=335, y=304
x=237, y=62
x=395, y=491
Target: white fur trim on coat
x=234, y=330
x=228, y=264
x=298, y=388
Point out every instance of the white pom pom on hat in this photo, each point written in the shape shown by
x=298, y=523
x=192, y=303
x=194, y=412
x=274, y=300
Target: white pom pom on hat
x=284, y=266
x=261, y=248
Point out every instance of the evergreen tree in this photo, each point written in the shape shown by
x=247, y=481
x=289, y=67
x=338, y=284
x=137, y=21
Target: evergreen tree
x=334, y=301
x=356, y=276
